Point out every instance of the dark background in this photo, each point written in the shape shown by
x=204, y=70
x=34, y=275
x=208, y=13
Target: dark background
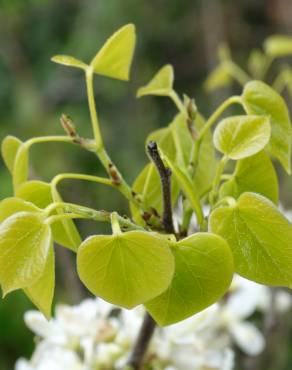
x=34, y=92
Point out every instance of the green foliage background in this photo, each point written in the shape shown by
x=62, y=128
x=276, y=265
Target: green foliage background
x=34, y=92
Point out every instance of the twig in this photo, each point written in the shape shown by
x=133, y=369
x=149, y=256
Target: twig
x=142, y=342
x=148, y=326
x=165, y=177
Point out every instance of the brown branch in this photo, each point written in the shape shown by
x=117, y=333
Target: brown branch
x=148, y=326
x=165, y=177
x=142, y=342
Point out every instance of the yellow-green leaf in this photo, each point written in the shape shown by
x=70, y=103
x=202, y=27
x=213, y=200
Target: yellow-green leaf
x=260, y=99
x=67, y=60
x=260, y=238
x=115, y=58
x=203, y=273
x=278, y=45
x=41, y=293
x=39, y=193
x=20, y=167
x=218, y=78
x=161, y=84
x=242, y=136
x=253, y=174
x=126, y=269
x=9, y=206
x=25, y=241
x=9, y=148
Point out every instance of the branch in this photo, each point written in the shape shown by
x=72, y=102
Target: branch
x=148, y=326
x=165, y=177
x=142, y=342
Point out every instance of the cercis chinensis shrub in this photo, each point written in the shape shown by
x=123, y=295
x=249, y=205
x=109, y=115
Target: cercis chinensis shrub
x=225, y=180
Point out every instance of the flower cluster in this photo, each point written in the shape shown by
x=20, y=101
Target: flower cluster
x=96, y=335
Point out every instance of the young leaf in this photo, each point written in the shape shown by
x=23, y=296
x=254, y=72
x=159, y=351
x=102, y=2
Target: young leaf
x=161, y=84
x=258, y=98
x=115, y=58
x=41, y=293
x=278, y=45
x=203, y=273
x=257, y=63
x=126, y=269
x=218, y=78
x=67, y=60
x=148, y=184
x=9, y=148
x=20, y=167
x=39, y=193
x=242, y=136
x=260, y=238
x=253, y=174
x=25, y=241
x=9, y=206
x=205, y=168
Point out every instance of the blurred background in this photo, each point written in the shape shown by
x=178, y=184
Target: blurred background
x=34, y=93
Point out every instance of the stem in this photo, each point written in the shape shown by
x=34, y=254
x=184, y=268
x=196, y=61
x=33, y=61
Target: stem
x=217, y=180
x=92, y=108
x=45, y=139
x=178, y=103
x=237, y=72
x=102, y=154
x=78, y=176
x=214, y=117
x=89, y=213
x=165, y=178
x=140, y=348
x=115, y=224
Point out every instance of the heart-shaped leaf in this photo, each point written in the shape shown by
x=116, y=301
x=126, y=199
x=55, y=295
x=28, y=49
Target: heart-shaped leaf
x=242, y=136
x=203, y=273
x=9, y=148
x=41, y=293
x=25, y=241
x=115, y=58
x=161, y=84
x=260, y=238
x=10, y=206
x=253, y=174
x=126, y=269
x=67, y=60
x=20, y=167
x=278, y=45
x=259, y=98
x=39, y=193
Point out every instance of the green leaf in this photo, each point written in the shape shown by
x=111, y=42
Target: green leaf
x=9, y=206
x=253, y=174
x=126, y=269
x=115, y=57
x=39, y=193
x=67, y=60
x=9, y=148
x=161, y=84
x=242, y=136
x=260, y=238
x=25, y=241
x=257, y=63
x=278, y=45
x=41, y=293
x=148, y=185
x=258, y=98
x=182, y=141
x=203, y=273
x=20, y=167
x=164, y=139
x=204, y=171
x=218, y=78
